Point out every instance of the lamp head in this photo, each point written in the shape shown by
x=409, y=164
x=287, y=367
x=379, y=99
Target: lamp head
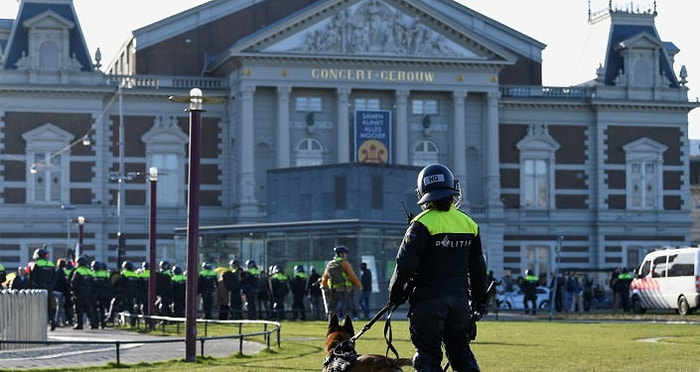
x=195, y=99
x=153, y=174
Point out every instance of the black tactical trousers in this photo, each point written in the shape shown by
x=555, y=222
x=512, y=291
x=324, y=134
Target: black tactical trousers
x=435, y=321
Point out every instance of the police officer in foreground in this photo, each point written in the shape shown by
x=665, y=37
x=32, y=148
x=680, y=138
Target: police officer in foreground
x=438, y=265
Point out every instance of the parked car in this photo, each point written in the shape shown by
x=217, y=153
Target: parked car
x=514, y=300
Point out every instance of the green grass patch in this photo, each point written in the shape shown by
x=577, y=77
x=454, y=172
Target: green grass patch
x=619, y=343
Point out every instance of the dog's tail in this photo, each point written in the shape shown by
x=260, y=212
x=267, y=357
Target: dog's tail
x=382, y=363
x=404, y=362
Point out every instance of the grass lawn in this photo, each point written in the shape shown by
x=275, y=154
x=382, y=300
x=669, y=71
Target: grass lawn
x=618, y=343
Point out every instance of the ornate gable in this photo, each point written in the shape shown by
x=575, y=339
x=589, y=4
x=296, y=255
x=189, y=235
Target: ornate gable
x=46, y=36
x=371, y=28
x=47, y=136
x=643, y=148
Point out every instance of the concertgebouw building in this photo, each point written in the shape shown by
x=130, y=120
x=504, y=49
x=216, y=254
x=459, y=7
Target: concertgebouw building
x=327, y=111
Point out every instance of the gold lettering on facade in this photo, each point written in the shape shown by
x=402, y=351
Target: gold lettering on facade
x=382, y=75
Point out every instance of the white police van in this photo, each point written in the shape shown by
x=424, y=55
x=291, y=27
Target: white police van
x=667, y=279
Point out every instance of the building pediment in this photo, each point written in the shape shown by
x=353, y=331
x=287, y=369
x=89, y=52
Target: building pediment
x=165, y=132
x=538, y=140
x=640, y=41
x=49, y=20
x=47, y=136
x=370, y=28
x=644, y=146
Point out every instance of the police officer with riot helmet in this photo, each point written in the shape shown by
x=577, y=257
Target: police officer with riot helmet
x=439, y=260
x=206, y=287
x=42, y=276
x=251, y=287
x=81, y=291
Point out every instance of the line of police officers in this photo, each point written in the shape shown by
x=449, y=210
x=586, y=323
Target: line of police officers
x=85, y=290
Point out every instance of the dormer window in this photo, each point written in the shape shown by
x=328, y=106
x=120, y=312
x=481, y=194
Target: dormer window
x=48, y=44
x=48, y=56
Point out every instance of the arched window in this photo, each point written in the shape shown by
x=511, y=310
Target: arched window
x=425, y=152
x=309, y=152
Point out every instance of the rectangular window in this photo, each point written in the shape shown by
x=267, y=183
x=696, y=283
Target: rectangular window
x=340, y=193
x=167, y=190
x=537, y=259
x=377, y=192
x=643, y=187
x=681, y=264
x=535, y=183
x=308, y=104
x=367, y=104
x=424, y=107
x=659, y=267
x=47, y=177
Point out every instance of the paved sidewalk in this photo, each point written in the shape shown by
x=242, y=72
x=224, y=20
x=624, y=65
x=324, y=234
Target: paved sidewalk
x=93, y=355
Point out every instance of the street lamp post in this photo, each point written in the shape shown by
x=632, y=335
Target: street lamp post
x=195, y=100
x=153, y=181
x=81, y=225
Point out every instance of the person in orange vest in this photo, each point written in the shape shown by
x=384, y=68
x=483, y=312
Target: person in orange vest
x=337, y=281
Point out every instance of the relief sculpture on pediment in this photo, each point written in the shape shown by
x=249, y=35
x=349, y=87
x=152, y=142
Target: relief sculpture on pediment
x=375, y=28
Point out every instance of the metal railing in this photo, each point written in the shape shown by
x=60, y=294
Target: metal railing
x=268, y=328
x=527, y=91
x=23, y=316
x=158, y=81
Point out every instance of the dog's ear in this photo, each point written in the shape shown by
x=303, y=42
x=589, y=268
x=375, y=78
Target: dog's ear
x=333, y=323
x=347, y=324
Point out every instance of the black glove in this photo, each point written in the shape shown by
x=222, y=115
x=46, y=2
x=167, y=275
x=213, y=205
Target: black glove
x=478, y=309
x=398, y=295
x=472, y=330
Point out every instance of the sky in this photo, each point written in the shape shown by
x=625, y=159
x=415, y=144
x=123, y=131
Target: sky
x=560, y=24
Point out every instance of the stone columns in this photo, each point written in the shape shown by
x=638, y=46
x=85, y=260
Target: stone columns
x=459, y=147
x=401, y=128
x=343, y=126
x=283, y=150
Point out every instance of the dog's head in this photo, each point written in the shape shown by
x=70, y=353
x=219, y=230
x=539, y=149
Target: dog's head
x=338, y=332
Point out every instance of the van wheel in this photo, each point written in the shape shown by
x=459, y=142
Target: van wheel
x=637, y=306
x=683, y=307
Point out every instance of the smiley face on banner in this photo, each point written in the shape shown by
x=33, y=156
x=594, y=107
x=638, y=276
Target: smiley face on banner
x=373, y=151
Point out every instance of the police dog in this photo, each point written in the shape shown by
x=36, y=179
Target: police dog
x=341, y=356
